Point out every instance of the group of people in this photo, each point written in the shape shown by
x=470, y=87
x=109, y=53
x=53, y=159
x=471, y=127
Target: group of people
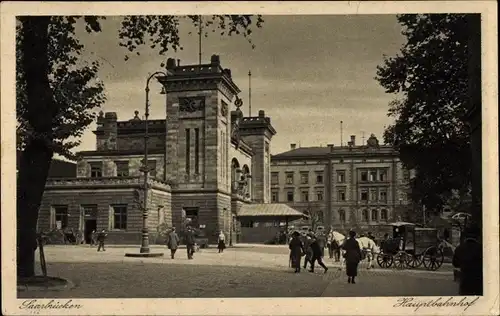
x=312, y=249
x=173, y=242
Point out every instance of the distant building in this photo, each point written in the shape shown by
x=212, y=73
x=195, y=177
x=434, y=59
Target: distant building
x=208, y=164
x=354, y=186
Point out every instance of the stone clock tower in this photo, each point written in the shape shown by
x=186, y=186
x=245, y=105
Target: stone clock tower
x=197, y=141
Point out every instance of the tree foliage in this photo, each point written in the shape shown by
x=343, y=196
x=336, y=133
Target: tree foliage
x=74, y=84
x=429, y=79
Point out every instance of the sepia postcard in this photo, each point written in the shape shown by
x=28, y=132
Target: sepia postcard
x=249, y=158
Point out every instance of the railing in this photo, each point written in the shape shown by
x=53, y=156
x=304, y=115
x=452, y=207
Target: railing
x=105, y=181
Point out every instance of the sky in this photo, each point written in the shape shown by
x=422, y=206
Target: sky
x=308, y=74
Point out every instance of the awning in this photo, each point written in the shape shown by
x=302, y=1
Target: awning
x=269, y=209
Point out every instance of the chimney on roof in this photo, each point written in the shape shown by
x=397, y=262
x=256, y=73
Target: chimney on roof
x=353, y=140
x=293, y=146
x=262, y=113
x=178, y=62
x=330, y=146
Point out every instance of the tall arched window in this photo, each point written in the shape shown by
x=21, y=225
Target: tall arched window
x=235, y=173
x=383, y=215
x=342, y=216
x=245, y=173
x=366, y=217
x=374, y=215
x=320, y=217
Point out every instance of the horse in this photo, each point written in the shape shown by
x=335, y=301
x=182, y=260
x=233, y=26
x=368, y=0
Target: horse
x=369, y=249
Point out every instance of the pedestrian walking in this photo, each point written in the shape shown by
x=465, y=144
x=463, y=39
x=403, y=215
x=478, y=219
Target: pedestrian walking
x=172, y=242
x=296, y=251
x=93, y=238
x=468, y=257
x=317, y=253
x=190, y=241
x=307, y=249
x=352, y=257
x=221, y=242
x=101, y=238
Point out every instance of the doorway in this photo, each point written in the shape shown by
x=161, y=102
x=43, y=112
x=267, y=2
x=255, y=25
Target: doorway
x=90, y=225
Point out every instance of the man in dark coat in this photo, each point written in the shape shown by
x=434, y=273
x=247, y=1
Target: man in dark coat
x=172, y=242
x=307, y=240
x=190, y=241
x=296, y=250
x=468, y=257
x=352, y=257
x=316, y=254
x=101, y=237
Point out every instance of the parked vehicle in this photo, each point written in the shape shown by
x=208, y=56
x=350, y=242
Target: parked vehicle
x=410, y=247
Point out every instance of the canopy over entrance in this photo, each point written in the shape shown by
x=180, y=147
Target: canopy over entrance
x=269, y=209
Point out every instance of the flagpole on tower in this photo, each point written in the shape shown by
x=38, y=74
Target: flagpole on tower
x=249, y=93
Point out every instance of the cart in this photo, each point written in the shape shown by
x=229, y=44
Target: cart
x=410, y=247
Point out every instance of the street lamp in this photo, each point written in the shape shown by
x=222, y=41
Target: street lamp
x=144, y=250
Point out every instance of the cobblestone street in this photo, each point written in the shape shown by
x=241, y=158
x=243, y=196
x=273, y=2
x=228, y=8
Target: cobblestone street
x=252, y=271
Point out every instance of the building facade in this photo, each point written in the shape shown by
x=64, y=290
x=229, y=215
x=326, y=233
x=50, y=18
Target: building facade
x=206, y=159
x=345, y=187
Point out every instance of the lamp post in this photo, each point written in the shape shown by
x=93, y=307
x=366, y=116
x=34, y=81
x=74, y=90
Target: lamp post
x=144, y=250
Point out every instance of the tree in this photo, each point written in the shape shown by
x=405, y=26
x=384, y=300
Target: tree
x=57, y=95
x=430, y=80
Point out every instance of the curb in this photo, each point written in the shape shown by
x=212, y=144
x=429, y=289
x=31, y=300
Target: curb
x=44, y=288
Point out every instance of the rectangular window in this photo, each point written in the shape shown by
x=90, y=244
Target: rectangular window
x=122, y=169
x=319, y=195
x=96, y=169
x=374, y=215
x=319, y=178
x=373, y=176
x=274, y=196
x=364, y=195
x=382, y=175
x=289, y=196
x=383, y=196
x=289, y=178
x=364, y=176
x=197, y=151
x=304, y=177
x=246, y=223
x=373, y=195
x=383, y=215
x=61, y=212
x=341, y=176
x=152, y=168
x=305, y=196
x=120, y=217
x=188, y=150
x=275, y=178
x=341, y=195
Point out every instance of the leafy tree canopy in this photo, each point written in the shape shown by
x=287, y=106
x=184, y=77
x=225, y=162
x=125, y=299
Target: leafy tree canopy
x=429, y=78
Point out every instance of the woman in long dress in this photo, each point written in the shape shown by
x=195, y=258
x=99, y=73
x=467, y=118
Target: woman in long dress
x=352, y=257
x=296, y=251
x=221, y=242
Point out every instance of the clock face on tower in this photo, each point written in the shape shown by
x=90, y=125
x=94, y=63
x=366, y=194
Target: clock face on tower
x=191, y=104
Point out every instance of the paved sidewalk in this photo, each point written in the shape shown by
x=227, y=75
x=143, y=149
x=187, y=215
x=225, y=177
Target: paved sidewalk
x=234, y=273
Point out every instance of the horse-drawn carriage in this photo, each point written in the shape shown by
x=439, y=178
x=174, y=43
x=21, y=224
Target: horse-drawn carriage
x=410, y=247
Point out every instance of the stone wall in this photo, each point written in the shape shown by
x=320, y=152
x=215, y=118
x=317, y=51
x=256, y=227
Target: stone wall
x=109, y=165
x=104, y=199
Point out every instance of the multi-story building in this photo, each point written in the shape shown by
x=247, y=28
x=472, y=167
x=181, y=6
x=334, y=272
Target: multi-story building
x=208, y=165
x=346, y=186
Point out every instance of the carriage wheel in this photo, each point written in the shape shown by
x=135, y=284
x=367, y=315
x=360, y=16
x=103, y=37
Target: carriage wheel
x=414, y=261
x=400, y=260
x=384, y=260
x=433, y=258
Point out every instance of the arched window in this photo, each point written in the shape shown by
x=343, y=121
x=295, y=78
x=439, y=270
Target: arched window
x=366, y=218
x=374, y=215
x=342, y=216
x=383, y=215
x=235, y=173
